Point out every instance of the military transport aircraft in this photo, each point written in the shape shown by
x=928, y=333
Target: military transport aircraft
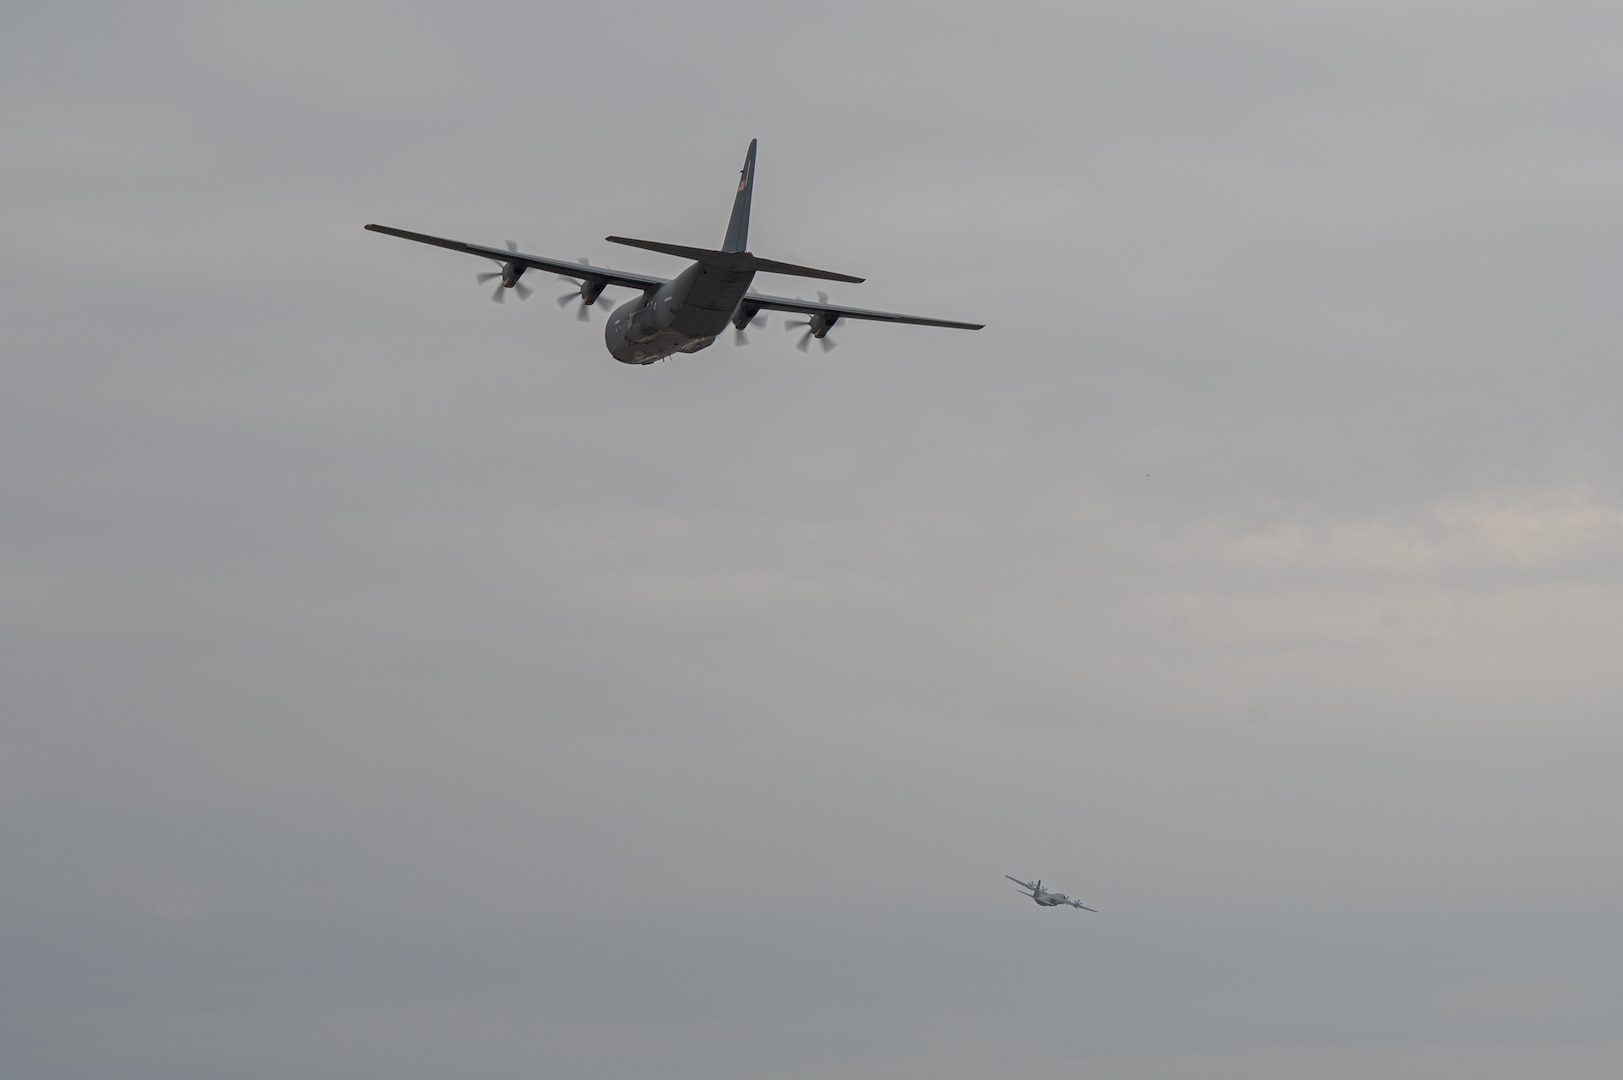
x=1046, y=898
x=687, y=312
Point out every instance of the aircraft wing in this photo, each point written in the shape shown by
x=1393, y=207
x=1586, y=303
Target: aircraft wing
x=838, y=311
x=579, y=271
x=1027, y=884
x=1084, y=907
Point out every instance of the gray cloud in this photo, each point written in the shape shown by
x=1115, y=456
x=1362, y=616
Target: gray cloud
x=395, y=685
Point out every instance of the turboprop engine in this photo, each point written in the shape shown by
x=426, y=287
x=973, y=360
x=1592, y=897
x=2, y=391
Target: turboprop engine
x=509, y=273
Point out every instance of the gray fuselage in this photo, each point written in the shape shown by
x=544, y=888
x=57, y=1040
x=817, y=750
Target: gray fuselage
x=683, y=315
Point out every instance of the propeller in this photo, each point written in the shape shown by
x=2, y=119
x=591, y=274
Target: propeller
x=509, y=275
x=588, y=293
x=746, y=316
x=817, y=326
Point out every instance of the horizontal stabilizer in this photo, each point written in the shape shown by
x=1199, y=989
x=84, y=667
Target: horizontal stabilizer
x=737, y=261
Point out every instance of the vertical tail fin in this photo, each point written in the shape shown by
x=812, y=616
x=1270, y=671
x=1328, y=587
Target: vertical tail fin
x=738, y=226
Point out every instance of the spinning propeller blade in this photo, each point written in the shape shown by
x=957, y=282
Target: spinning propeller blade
x=739, y=337
x=584, y=288
x=817, y=326
x=509, y=275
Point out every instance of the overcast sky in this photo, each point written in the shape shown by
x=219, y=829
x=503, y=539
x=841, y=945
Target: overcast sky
x=392, y=685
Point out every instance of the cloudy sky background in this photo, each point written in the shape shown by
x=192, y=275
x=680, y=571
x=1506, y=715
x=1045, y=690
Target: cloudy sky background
x=394, y=685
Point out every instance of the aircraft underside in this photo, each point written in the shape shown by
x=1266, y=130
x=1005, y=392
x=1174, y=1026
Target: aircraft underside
x=684, y=315
x=662, y=344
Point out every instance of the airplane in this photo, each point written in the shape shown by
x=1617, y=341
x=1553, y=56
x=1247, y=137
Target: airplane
x=1046, y=898
x=685, y=313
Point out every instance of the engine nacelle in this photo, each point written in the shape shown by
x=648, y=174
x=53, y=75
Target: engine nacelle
x=744, y=316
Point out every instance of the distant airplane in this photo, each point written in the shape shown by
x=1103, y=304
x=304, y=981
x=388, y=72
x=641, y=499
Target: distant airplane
x=1046, y=898
x=687, y=312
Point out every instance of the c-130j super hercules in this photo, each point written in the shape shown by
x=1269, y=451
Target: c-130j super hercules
x=1045, y=898
x=687, y=312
